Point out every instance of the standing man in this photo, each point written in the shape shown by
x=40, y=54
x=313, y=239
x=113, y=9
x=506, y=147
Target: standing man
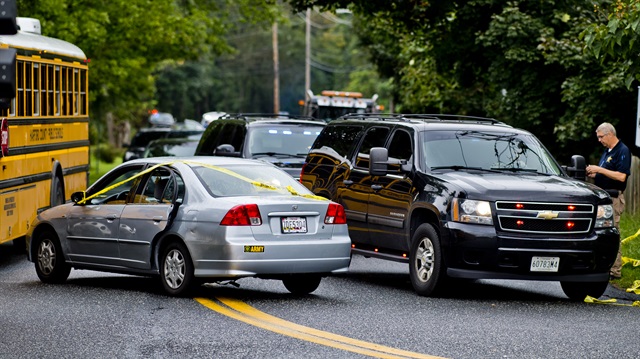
x=611, y=175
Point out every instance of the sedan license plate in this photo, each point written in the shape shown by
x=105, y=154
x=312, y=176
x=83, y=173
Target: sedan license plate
x=294, y=225
x=545, y=264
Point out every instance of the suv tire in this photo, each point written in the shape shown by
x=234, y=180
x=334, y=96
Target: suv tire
x=426, y=268
x=577, y=291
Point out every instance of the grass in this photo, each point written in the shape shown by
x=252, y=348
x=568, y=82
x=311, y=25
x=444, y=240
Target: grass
x=629, y=226
x=97, y=167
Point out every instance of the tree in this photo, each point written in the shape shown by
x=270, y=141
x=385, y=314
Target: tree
x=519, y=61
x=126, y=40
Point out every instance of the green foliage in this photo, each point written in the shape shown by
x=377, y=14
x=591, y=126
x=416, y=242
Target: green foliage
x=629, y=226
x=522, y=62
x=106, y=153
x=98, y=167
x=127, y=39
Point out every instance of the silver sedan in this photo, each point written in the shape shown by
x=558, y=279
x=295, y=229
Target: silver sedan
x=194, y=220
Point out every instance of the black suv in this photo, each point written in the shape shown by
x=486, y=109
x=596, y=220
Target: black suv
x=464, y=197
x=142, y=138
x=280, y=139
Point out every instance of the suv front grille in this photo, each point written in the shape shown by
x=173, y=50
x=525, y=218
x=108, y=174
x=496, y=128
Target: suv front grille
x=544, y=218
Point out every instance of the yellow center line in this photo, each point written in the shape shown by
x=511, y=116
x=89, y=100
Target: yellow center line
x=243, y=312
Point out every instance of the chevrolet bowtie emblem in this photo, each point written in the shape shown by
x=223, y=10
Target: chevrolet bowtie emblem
x=547, y=214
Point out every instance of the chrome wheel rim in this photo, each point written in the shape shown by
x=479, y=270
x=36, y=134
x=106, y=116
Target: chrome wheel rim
x=46, y=257
x=174, y=269
x=424, y=260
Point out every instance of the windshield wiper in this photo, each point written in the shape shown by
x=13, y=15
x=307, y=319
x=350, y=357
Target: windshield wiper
x=517, y=169
x=275, y=154
x=458, y=167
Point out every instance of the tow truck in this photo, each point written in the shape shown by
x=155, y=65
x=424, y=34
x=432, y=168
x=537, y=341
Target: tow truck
x=330, y=105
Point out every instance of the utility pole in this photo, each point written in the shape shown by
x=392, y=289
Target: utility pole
x=307, y=57
x=276, y=69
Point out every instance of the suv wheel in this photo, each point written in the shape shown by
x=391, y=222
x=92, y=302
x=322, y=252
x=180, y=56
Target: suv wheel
x=577, y=291
x=425, y=262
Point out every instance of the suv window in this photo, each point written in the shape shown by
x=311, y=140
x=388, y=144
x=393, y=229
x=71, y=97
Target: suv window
x=232, y=134
x=400, y=149
x=338, y=138
x=375, y=137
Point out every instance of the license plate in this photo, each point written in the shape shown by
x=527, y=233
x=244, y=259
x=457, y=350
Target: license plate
x=545, y=264
x=294, y=224
x=253, y=249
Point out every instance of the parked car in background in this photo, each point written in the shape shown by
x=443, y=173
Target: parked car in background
x=194, y=220
x=464, y=197
x=175, y=147
x=280, y=139
x=141, y=139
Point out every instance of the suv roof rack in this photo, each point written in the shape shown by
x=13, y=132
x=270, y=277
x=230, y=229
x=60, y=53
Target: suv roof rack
x=422, y=117
x=265, y=116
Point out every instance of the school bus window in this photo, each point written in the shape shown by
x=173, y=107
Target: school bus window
x=28, y=85
x=36, y=89
x=50, y=94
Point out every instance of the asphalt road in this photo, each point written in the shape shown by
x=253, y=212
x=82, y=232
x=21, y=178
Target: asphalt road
x=369, y=312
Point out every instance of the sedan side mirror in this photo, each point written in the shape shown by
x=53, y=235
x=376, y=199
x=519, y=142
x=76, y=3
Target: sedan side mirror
x=78, y=197
x=378, y=158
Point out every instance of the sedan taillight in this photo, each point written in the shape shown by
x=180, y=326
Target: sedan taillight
x=242, y=215
x=335, y=214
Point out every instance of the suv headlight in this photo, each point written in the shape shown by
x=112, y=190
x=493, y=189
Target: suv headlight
x=471, y=211
x=604, y=217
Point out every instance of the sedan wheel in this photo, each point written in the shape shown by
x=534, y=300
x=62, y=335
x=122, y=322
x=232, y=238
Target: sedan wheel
x=302, y=284
x=49, y=261
x=176, y=269
x=426, y=268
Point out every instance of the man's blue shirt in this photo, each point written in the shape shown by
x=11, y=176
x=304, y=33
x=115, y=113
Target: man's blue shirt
x=618, y=159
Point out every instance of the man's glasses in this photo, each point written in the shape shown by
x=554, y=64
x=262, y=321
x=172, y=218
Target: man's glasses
x=601, y=136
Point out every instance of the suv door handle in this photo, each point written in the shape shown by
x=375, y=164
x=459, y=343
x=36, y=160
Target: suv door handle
x=376, y=187
x=347, y=182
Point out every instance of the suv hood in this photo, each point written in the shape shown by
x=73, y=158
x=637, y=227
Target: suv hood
x=523, y=187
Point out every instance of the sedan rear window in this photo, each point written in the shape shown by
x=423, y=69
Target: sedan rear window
x=248, y=180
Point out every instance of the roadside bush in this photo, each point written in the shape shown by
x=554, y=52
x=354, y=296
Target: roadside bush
x=106, y=153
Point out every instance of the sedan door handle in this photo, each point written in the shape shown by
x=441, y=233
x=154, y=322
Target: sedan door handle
x=376, y=187
x=157, y=218
x=111, y=217
x=347, y=182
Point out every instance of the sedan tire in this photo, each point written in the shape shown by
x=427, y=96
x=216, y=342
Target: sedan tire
x=176, y=269
x=49, y=260
x=302, y=284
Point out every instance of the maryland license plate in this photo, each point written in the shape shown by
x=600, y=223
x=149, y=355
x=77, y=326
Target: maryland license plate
x=545, y=264
x=294, y=224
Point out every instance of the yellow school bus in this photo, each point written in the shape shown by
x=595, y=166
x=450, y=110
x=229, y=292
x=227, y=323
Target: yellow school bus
x=44, y=155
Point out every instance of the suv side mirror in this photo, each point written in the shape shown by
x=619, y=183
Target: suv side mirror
x=578, y=168
x=226, y=150
x=378, y=158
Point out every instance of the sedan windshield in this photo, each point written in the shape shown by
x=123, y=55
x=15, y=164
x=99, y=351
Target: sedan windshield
x=496, y=151
x=249, y=180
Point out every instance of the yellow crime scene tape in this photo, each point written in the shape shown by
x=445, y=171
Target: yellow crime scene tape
x=213, y=167
x=635, y=288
